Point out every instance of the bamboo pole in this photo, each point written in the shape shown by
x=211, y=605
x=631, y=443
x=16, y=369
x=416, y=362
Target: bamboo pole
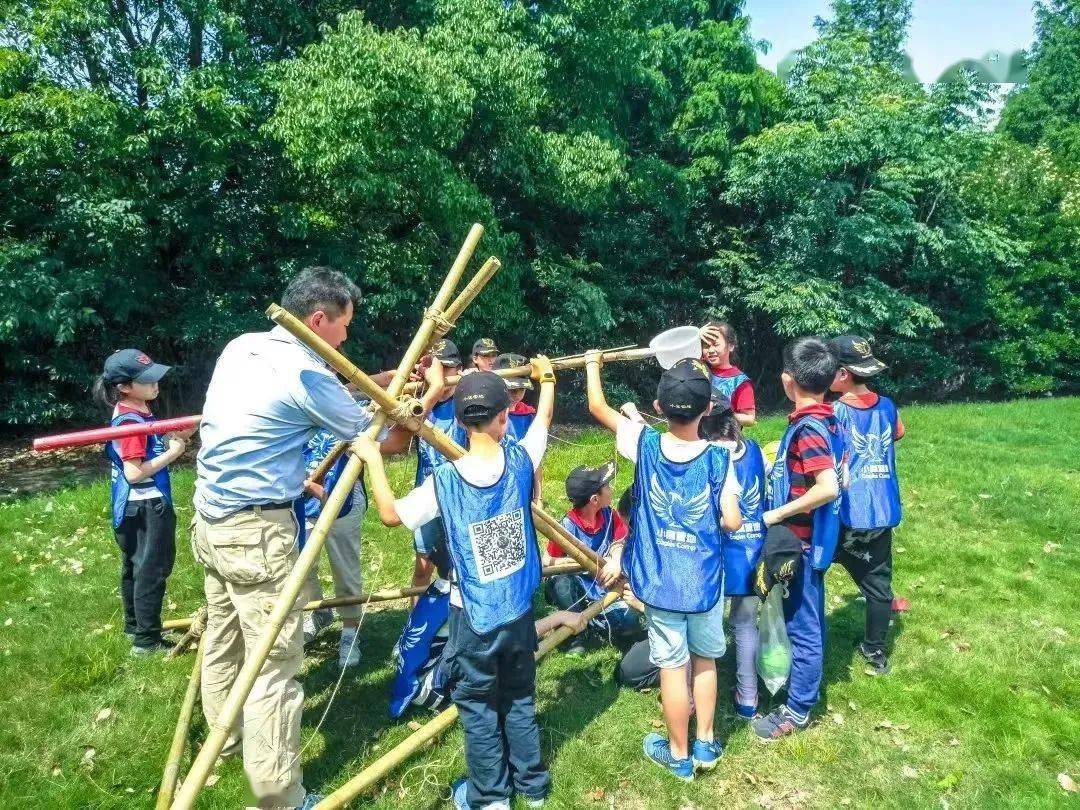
x=384, y=595
x=385, y=399
x=380, y=768
x=179, y=741
x=309, y=556
x=443, y=325
x=195, y=627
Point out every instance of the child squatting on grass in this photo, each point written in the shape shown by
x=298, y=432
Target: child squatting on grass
x=142, y=511
x=484, y=500
x=685, y=492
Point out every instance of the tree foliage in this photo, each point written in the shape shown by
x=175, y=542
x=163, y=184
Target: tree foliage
x=165, y=167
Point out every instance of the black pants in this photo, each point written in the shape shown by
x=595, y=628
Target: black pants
x=635, y=668
x=867, y=556
x=493, y=684
x=147, y=540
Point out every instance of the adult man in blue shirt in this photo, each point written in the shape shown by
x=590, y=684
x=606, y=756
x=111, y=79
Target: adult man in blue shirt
x=267, y=396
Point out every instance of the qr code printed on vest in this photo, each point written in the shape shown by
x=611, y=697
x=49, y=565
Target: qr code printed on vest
x=498, y=545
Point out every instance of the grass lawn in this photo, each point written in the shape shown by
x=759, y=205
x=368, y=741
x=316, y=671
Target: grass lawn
x=982, y=707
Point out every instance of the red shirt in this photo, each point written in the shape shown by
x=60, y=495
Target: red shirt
x=869, y=400
x=521, y=408
x=619, y=530
x=131, y=448
x=742, y=398
x=807, y=455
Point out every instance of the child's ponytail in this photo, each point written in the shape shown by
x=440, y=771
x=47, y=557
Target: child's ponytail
x=721, y=427
x=107, y=393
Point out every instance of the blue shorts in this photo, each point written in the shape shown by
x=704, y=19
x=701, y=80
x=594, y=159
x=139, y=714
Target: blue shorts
x=428, y=538
x=674, y=637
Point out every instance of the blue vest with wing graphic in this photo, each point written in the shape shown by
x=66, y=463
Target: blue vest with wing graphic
x=491, y=540
x=413, y=649
x=121, y=488
x=518, y=424
x=825, y=531
x=727, y=385
x=427, y=457
x=674, y=556
x=742, y=549
x=599, y=542
x=872, y=500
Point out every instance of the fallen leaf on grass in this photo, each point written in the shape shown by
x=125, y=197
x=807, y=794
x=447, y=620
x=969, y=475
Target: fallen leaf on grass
x=909, y=773
x=88, y=757
x=415, y=726
x=595, y=795
x=899, y=549
x=8, y=623
x=76, y=566
x=1067, y=783
x=954, y=742
x=1050, y=548
x=57, y=770
x=962, y=646
x=103, y=715
x=838, y=718
x=851, y=705
x=883, y=724
x=985, y=496
x=657, y=723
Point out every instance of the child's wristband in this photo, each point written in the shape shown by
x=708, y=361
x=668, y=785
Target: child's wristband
x=547, y=377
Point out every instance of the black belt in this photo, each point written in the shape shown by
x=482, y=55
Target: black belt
x=267, y=506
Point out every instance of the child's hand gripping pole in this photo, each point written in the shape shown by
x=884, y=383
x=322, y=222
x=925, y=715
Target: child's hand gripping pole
x=309, y=556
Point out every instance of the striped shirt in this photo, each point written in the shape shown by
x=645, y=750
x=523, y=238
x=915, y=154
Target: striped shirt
x=808, y=454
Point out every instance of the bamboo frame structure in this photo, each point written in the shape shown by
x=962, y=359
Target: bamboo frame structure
x=443, y=325
x=171, y=774
x=384, y=595
x=380, y=768
x=309, y=556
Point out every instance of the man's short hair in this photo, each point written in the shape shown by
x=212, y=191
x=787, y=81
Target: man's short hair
x=811, y=364
x=322, y=288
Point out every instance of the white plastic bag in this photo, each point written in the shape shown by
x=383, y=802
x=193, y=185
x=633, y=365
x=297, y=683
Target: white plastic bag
x=774, y=649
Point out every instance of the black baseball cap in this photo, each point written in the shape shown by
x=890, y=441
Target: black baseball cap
x=584, y=482
x=684, y=389
x=853, y=353
x=446, y=352
x=721, y=409
x=479, y=398
x=132, y=365
x=485, y=346
x=504, y=361
x=781, y=555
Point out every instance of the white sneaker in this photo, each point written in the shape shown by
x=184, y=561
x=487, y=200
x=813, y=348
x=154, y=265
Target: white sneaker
x=348, y=649
x=315, y=621
x=308, y=625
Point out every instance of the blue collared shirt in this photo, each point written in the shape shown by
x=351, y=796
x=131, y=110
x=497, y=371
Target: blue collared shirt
x=266, y=398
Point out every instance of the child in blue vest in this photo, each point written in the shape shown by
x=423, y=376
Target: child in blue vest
x=592, y=521
x=742, y=548
x=484, y=499
x=522, y=413
x=870, y=507
x=685, y=490
x=718, y=344
x=428, y=539
x=142, y=511
x=803, y=494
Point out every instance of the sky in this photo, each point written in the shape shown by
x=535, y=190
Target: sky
x=942, y=31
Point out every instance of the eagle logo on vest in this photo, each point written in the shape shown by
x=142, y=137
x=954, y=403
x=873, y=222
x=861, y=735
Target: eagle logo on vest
x=675, y=511
x=750, y=499
x=871, y=447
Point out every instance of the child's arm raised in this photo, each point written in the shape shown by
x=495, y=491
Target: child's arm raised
x=380, y=490
x=543, y=372
x=598, y=406
x=826, y=488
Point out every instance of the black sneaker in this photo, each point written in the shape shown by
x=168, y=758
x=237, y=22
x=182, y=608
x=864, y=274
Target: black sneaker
x=153, y=649
x=878, y=663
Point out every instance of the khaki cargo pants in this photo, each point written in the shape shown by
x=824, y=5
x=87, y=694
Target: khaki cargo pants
x=247, y=556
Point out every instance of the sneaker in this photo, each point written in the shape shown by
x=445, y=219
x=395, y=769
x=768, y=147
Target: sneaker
x=348, y=649
x=153, y=649
x=535, y=803
x=705, y=755
x=458, y=794
x=878, y=663
x=315, y=621
x=658, y=749
x=310, y=801
x=780, y=722
x=744, y=712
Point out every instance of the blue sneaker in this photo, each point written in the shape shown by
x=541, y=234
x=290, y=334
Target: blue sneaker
x=705, y=755
x=744, y=712
x=310, y=800
x=658, y=749
x=778, y=723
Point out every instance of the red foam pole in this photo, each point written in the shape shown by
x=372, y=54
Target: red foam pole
x=80, y=438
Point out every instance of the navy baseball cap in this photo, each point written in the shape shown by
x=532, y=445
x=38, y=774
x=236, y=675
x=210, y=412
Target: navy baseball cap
x=446, y=352
x=485, y=346
x=684, y=389
x=132, y=365
x=505, y=361
x=479, y=397
x=584, y=482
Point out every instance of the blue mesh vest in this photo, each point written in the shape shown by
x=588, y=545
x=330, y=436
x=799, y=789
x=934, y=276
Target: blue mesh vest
x=825, y=520
x=491, y=540
x=518, y=425
x=318, y=448
x=742, y=549
x=428, y=458
x=413, y=649
x=600, y=542
x=727, y=385
x=674, y=556
x=121, y=489
x=872, y=500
